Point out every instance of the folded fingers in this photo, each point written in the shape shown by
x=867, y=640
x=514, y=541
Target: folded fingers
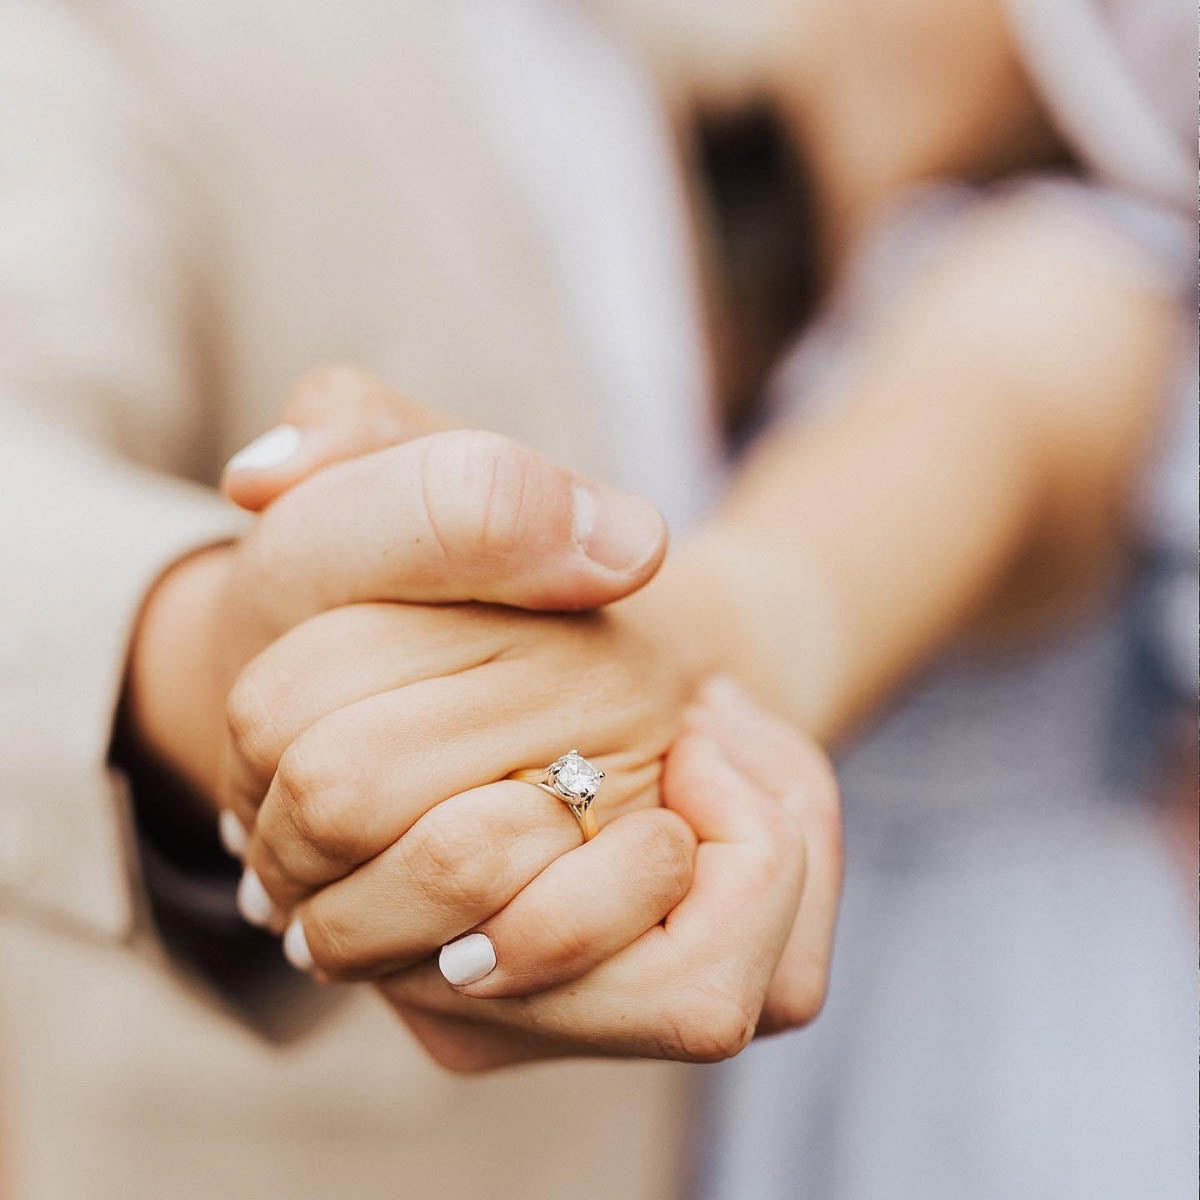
x=691, y=988
x=357, y=780
x=345, y=656
x=791, y=768
x=457, y=865
x=581, y=910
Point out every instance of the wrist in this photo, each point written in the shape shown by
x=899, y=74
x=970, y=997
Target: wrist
x=686, y=610
x=743, y=601
x=174, y=694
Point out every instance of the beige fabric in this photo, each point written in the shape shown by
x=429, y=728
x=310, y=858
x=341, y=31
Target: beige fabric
x=197, y=202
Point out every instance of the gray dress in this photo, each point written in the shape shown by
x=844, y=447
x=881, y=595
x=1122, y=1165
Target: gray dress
x=1013, y=1007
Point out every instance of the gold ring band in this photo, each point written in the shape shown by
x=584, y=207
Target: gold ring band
x=573, y=780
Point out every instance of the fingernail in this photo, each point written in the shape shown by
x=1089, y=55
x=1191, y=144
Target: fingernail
x=468, y=959
x=295, y=946
x=619, y=531
x=270, y=449
x=252, y=900
x=232, y=833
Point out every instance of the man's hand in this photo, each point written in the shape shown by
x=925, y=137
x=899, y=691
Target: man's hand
x=450, y=516
x=747, y=949
x=745, y=952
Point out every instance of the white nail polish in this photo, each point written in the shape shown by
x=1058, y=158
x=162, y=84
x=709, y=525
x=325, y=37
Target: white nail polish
x=270, y=449
x=295, y=946
x=468, y=959
x=233, y=834
x=252, y=900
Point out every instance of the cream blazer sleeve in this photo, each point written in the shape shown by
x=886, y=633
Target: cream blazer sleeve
x=103, y=419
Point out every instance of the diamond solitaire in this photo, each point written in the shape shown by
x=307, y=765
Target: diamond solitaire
x=573, y=780
x=573, y=777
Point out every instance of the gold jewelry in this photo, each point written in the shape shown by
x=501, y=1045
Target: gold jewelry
x=571, y=779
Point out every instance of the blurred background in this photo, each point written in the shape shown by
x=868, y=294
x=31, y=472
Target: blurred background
x=692, y=215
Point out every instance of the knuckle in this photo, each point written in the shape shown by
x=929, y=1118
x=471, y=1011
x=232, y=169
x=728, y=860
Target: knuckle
x=707, y=1026
x=454, y=1054
x=783, y=839
x=452, y=1044
x=450, y=863
x=806, y=995
x=667, y=848
x=560, y=941
x=814, y=816
x=333, y=943
x=321, y=805
x=248, y=720
x=480, y=503
x=797, y=994
x=265, y=564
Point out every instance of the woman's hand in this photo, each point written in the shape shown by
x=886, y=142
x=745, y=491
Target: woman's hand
x=369, y=751
x=676, y=932
x=719, y=973
x=745, y=952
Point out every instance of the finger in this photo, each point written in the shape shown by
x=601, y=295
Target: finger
x=692, y=988
x=356, y=780
x=764, y=747
x=470, y=1046
x=462, y=515
x=798, y=988
x=332, y=413
x=790, y=766
x=461, y=862
x=266, y=712
x=751, y=857
x=583, y=908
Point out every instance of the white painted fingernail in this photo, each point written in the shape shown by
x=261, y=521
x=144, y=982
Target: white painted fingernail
x=295, y=946
x=252, y=900
x=268, y=450
x=233, y=833
x=468, y=959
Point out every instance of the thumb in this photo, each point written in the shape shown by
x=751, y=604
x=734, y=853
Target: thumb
x=331, y=414
x=454, y=516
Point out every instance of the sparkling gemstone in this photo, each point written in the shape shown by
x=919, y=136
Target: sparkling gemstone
x=576, y=776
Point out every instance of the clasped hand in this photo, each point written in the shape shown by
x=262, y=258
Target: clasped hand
x=384, y=677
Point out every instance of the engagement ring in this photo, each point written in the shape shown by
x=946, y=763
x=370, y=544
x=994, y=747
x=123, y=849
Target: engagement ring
x=572, y=779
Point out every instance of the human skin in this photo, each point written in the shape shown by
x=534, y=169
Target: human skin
x=745, y=952
x=969, y=483
x=413, y=523
x=971, y=480
x=877, y=95
x=772, y=977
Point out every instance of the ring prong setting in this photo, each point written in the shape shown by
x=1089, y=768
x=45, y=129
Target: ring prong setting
x=574, y=778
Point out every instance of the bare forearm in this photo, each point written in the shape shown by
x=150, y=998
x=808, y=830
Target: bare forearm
x=841, y=560
x=995, y=425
